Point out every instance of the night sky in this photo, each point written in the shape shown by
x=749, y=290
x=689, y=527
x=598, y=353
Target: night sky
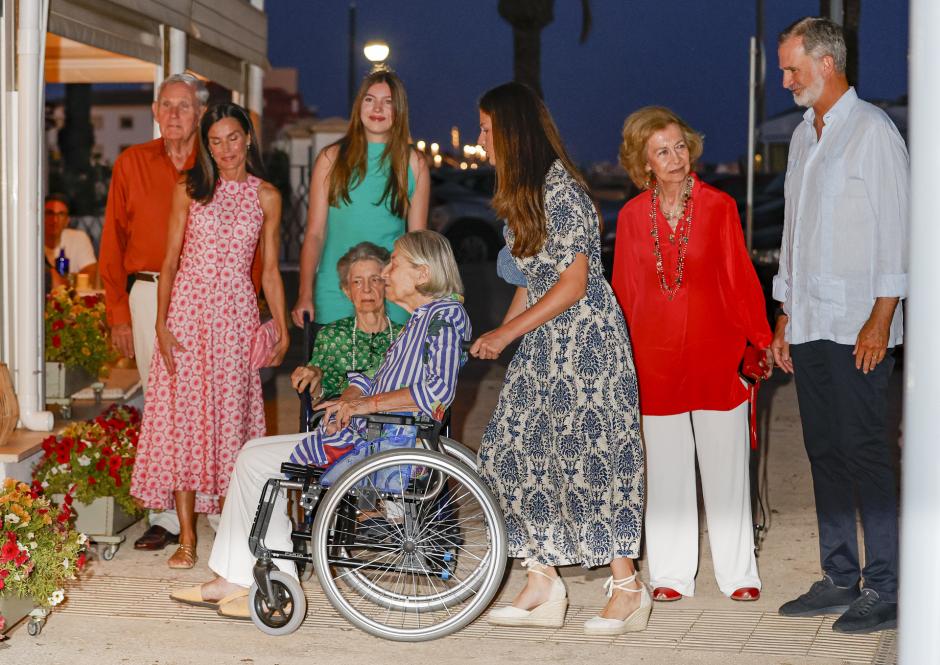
x=690, y=55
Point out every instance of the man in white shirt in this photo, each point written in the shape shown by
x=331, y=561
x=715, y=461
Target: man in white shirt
x=843, y=271
x=59, y=238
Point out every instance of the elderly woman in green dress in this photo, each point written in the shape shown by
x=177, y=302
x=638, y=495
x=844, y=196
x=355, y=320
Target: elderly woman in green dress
x=356, y=343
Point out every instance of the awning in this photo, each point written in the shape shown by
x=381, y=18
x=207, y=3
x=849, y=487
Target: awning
x=222, y=35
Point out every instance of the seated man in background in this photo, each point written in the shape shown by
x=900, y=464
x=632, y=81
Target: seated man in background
x=75, y=243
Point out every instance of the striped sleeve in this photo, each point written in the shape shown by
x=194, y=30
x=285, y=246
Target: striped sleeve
x=443, y=356
x=360, y=381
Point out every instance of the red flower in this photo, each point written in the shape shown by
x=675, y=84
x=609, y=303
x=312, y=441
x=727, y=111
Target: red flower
x=80, y=561
x=2, y=584
x=68, y=499
x=90, y=301
x=56, y=341
x=100, y=465
x=115, y=462
x=91, y=480
x=117, y=481
x=58, y=324
x=57, y=307
x=21, y=558
x=9, y=550
x=107, y=450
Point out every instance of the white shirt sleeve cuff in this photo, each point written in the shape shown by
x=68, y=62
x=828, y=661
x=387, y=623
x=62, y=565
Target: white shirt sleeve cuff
x=781, y=288
x=891, y=286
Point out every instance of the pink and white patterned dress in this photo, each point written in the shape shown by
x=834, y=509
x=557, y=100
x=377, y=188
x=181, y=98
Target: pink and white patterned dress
x=196, y=420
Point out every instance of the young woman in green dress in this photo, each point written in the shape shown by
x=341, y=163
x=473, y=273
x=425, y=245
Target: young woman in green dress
x=370, y=185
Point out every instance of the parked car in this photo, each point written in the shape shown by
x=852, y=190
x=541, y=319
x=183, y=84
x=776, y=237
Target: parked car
x=460, y=210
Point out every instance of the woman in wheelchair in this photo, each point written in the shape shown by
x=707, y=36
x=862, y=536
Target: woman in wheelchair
x=358, y=342
x=418, y=375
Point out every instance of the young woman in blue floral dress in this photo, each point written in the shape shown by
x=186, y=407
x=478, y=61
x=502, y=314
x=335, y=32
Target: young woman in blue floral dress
x=562, y=452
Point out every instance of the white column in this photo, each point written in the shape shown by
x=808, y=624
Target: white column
x=28, y=299
x=173, y=62
x=920, y=494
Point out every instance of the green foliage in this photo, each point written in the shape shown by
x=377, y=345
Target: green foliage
x=92, y=459
x=76, y=330
x=39, y=550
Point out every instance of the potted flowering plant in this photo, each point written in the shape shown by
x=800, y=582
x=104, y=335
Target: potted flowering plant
x=77, y=341
x=39, y=551
x=87, y=467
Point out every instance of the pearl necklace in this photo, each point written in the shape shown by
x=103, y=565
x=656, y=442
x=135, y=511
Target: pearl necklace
x=355, y=325
x=670, y=291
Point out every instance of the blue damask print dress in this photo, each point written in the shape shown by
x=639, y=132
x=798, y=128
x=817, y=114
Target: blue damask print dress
x=562, y=452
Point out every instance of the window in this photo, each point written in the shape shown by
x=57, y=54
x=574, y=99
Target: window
x=127, y=122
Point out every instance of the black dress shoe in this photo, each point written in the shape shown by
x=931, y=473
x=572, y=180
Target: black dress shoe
x=868, y=614
x=824, y=597
x=155, y=538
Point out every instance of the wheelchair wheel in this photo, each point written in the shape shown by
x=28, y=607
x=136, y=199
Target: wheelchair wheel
x=426, y=569
x=459, y=451
x=290, y=595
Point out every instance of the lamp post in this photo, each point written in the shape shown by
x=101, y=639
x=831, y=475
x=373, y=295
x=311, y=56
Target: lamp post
x=376, y=52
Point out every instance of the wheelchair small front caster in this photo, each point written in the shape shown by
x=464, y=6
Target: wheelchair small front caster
x=34, y=627
x=283, y=614
x=108, y=552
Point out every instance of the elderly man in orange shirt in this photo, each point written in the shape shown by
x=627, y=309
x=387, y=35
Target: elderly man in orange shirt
x=133, y=240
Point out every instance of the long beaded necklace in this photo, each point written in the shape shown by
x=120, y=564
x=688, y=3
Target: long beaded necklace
x=355, y=326
x=686, y=230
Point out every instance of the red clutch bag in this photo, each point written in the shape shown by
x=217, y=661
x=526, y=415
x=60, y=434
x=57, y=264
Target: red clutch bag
x=263, y=343
x=754, y=364
x=753, y=370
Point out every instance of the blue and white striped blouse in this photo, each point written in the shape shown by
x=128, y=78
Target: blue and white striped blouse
x=425, y=358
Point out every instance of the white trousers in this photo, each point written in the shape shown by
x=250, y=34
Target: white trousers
x=720, y=439
x=258, y=460
x=143, y=303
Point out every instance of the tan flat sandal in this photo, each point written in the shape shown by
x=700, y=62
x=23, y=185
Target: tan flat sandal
x=184, y=557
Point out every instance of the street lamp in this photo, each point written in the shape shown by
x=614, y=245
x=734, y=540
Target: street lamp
x=376, y=52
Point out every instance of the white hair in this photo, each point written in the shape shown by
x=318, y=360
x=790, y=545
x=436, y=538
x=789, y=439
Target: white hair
x=200, y=92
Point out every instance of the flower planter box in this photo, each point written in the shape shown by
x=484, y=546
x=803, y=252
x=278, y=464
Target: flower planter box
x=14, y=610
x=101, y=517
x=62, y=381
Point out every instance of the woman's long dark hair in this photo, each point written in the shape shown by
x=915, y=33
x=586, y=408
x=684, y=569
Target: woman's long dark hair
x=526, y=142
x=350, y=166
x=202, y=179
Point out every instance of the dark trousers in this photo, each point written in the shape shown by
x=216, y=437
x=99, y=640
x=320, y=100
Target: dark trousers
x=844, y=414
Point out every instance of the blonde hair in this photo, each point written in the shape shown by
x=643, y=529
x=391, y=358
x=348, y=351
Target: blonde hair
x=637, y=130
x=431, y=249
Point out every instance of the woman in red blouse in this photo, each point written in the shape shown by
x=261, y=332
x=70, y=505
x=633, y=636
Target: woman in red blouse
x=692, y=303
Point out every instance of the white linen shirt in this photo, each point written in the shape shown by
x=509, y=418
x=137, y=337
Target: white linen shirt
x=845, y=224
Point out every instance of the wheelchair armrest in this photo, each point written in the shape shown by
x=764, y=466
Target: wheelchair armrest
x=301, y=471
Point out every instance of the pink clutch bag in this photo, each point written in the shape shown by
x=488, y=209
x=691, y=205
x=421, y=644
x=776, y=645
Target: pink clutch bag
x=262, y=344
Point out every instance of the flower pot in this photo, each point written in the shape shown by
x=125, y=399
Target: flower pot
x=102, y=517
x=13, y=610
x=62, y=380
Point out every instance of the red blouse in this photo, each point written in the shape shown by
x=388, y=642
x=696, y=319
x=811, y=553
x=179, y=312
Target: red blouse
x=687, y=350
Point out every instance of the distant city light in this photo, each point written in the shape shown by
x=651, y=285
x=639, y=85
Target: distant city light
x=421, y=145
x=437, y=160
x=435, y=148
x=463, y=166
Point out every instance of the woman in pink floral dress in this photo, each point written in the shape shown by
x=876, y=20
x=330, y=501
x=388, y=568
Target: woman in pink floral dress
x=204, y=400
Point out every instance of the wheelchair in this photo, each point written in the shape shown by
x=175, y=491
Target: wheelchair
x=407, y=544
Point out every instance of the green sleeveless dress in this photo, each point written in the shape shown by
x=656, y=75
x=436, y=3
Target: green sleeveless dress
x=364, y=218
